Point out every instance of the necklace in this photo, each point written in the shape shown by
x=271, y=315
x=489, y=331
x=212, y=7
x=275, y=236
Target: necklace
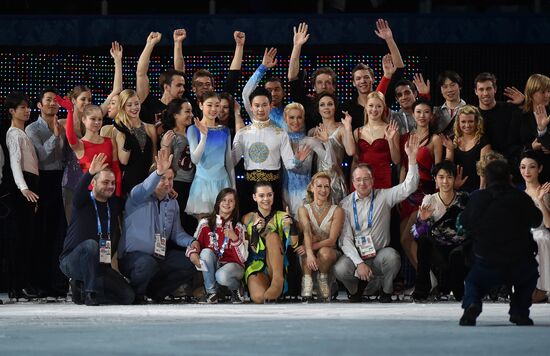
x=443, y=201
x=319, y=209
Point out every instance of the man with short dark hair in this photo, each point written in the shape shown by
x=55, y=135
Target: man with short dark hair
x=450, y=84
x=47, y=134
x=497, y=115
x=504, y=253
x=88, y=250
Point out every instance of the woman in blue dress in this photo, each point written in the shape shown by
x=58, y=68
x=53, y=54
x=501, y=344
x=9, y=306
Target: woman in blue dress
x=210, y=148
x=295, y=181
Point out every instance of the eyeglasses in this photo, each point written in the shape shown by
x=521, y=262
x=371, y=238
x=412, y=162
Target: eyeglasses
x=362, y=180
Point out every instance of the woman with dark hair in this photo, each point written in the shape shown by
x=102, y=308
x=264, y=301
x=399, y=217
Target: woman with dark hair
x=429, y=153
x=177, y=117
x=440, y=245
x=224, y=249
x=340, y=142
x=270, y=233
x=210, y=148
x=530, y=167
x=230, y=114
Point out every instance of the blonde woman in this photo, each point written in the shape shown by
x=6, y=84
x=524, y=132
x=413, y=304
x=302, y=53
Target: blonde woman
x=321, y=223
x=469, y=145
x=137, y=141
x=378, y=141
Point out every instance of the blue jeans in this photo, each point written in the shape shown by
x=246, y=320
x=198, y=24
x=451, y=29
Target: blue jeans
x=483, y=276
x=82, y=264
x=228, y=275
x=156, y=277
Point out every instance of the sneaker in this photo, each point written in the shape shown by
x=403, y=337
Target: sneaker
x=209, y=298
x=307, y=287
x=324, y=287
x=77, y=292
x=520, y=320
x=237, y=296
x=470, y=315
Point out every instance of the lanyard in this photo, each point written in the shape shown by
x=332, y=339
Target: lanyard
x=356, y=215
x=217, y=250
x=163, y=227
x=99, y=231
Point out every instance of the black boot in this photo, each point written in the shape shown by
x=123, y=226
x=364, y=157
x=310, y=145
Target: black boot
x=470, y=315
x=77, y=291
x=91, y=299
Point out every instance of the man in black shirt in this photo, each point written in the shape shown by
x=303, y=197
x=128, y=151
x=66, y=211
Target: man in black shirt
x=88, y=249
x=497, y=115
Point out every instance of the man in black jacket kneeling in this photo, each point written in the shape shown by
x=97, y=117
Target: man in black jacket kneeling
x=499, y=220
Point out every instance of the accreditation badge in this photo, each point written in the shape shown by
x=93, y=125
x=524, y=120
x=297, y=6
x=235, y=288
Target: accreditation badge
x=104, y=251
x=365, y=246
x=160, y=246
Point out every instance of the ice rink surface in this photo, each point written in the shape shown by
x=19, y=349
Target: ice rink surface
x=341, y=328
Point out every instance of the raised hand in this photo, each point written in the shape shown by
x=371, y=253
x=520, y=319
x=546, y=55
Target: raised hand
x=321, y=133
x=459, y=180
x=302, y=153
x=239, y=38
x=411, y=147
x=391, y=129
x=542, y=190
x=180, y=35
x=269, y=59
x=446, y=141
x=163, y=161
x=98, y=163
x=65, y=103
x=300, y=35
x=259, y=223
x=346, y=120
x=167, y=138
x=426, y=211
x=116, y=51
x=57, y=127
x=154, y=38
x=542, y=118
x=383, y=30
x=201, y=125
x=536, y=145
x=387, y=66
x=516, y=97
x=422, y=86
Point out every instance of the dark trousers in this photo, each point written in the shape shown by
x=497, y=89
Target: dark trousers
x=448, y=264
x=483, y=276
x=156, y=277
x=27, y=249
x=82, y=264
x=188, y=222
x=51, y=226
